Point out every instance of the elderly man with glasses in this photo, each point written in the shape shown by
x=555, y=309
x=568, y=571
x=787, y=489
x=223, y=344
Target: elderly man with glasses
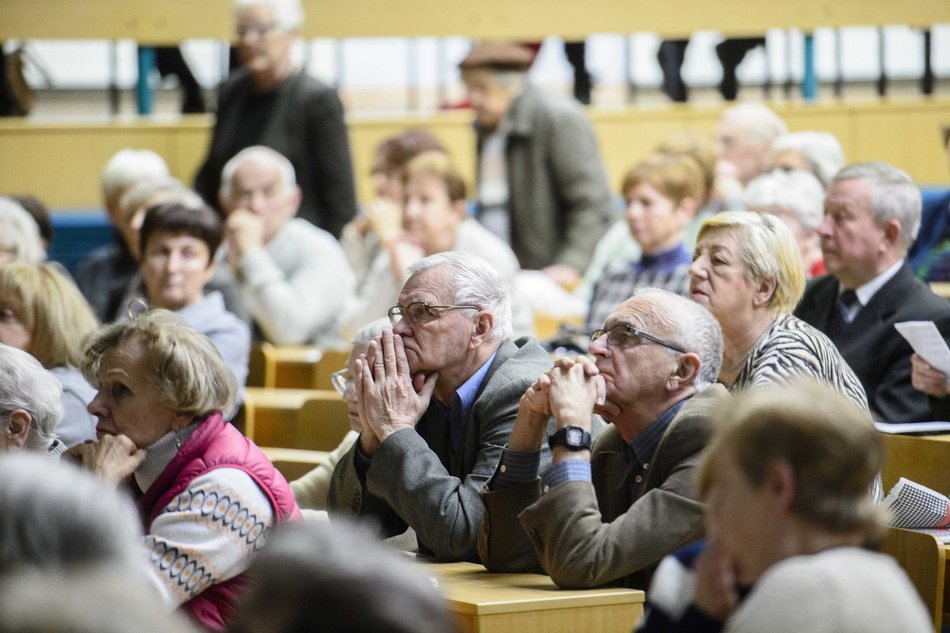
x=608, y=512
x=438, y=396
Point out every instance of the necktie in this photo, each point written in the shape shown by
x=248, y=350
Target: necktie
x=839, y=321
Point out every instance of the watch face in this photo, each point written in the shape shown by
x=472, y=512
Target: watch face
x=575, y=436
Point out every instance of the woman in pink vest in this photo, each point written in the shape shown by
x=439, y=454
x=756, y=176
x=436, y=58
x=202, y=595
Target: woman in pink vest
x=207, y=496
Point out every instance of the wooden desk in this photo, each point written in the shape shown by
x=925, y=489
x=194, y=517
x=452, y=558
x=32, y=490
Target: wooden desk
x=923, y=458
x=293, y=366
x=271, y=416
x=924, y=559
x=483, y=602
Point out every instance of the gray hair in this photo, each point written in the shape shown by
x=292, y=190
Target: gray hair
x=25, y=384
x=340, y=575
x=187, y=370
x=263, y=155
x=127, y=167
x=821, y=149
x=474, y=282
x=21, y=234
x=370, y=331
x=760, y=124
x=893, y=195
x=793, y=191
x=287, y=13
x=694, y=328
x=56, y=516
x=171, y=190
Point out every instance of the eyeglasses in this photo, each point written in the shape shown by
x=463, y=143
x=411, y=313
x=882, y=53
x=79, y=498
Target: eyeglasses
x=623, y=335
x=419, y=312
x=257, y=30
x=342, y=382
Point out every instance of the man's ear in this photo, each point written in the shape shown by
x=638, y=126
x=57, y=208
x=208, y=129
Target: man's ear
x=892, y=232
x=484, y=322
x=18, y=429
x=686, y=371
x=296, y=198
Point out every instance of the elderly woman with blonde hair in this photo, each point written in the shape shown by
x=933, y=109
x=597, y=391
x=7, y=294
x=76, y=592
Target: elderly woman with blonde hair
x=748, y=272
x=208, y=495
x=43, y=313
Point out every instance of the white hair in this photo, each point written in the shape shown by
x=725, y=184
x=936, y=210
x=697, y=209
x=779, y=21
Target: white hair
x=694, y=328
x=127, y=167
x=760, y=125
x=793, y=191
x=25, y=384
x=20, y=233
x=474, y=282
x=287, y=13
x=821, y=149
x=893, y=195
x=259, y=154
x=370, y=331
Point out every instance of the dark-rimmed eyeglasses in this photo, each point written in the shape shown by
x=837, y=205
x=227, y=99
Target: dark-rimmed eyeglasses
x=419, y=312
x=622, y=335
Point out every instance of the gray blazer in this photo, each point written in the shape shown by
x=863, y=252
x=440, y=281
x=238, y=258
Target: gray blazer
x=415, y=481
x=559, y=199
x=588, y=535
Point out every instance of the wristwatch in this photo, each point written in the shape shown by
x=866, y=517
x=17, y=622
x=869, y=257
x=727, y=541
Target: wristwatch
x=574, y=438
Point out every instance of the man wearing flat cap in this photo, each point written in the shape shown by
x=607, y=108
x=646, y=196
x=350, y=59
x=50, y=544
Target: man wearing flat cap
x=541, y=181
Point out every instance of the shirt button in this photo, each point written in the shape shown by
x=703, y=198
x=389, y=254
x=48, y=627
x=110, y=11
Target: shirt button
x=638, y=479
x=546, y=488
x=503, y=468
x=647, y=465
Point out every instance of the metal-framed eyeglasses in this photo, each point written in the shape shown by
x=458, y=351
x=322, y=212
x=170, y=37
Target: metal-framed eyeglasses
x=622, y=335
x=343, y=382
x=419, y=312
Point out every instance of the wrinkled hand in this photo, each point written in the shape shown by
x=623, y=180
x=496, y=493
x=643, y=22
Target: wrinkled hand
x=534, y=410
x=576, y=389
x=244, y=233
x=389, y=399
x=926, y=378
x=385, y=217
x=113, y=458
x=716, y=594
x=564, y=275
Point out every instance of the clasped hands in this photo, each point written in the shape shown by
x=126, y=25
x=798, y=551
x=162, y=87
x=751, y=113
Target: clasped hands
x=570, y=392
x=389, y=398
x=112, y=457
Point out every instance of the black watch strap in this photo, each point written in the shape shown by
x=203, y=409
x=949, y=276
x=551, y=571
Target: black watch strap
x=574, y=438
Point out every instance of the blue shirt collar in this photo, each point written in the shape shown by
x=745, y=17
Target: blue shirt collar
x=465, y=396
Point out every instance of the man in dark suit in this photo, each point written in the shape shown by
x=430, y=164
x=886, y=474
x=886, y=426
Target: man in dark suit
x=437, y=397
x=271, y=101
x=611, y=513
x=872, y=215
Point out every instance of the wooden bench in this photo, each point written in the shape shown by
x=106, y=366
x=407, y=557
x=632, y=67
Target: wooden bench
x=310, y=419
x=293, y=366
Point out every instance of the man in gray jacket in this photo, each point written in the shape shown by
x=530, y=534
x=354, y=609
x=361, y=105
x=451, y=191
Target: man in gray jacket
x=609, y=514
x=437, y=400
x=541, y=181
